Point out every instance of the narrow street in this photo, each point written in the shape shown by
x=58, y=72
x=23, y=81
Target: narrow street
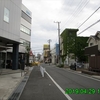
x=43, y=88
x=40, y=88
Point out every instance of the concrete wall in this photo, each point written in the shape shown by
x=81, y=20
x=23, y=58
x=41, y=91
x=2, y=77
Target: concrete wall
x=10, y=30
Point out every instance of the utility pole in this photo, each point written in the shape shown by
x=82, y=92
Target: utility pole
x=49, y=50
x=58, y=39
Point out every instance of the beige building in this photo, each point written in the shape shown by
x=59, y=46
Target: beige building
x=46, y=52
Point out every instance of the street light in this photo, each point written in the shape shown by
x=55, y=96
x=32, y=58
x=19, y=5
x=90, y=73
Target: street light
x=58, y=39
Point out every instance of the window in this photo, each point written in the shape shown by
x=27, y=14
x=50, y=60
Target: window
x=26, y=17
x=6, y=15
x=25, y=29
x=91, y=44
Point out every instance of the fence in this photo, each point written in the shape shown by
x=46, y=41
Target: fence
x=94, y=63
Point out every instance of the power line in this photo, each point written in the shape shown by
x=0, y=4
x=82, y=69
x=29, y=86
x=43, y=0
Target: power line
x=77, y=11
x=90, y=16
x=89, y=26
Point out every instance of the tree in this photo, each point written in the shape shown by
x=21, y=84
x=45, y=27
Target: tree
x=81, y=43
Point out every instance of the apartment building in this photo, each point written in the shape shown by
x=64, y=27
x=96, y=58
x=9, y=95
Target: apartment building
x=15, y=31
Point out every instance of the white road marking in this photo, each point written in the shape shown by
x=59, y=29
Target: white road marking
x=66, y=95
x=42, y=71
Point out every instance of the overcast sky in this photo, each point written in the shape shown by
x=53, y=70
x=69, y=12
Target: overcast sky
x=71, y=14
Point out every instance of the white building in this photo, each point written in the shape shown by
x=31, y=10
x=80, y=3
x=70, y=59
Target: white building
x=25, y=29
x=53, y=55
x=15, y=28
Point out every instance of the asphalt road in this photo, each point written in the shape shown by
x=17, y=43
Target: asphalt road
x=41, y=88
x=77, y=85
x=60, y=84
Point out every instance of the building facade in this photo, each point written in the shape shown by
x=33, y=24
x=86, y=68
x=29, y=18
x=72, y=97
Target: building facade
x=67, y=45
x=55, y=54
x=46, y=52
x=25, y=33
x=25, y=29
x=15, y=27
x=93, y=52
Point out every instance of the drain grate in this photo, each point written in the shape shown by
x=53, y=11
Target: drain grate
x=16, y=94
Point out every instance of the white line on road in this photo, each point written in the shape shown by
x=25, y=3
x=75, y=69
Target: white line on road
x=42, y=70
x=66, y=95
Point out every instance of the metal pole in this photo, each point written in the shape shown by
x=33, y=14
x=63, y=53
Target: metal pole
x=58, y=40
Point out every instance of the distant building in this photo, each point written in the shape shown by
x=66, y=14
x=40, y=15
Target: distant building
x=46, y=52
x=67, y=45
x=55, y=54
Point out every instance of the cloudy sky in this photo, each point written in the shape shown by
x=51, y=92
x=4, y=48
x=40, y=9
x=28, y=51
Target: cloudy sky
x=71, y=14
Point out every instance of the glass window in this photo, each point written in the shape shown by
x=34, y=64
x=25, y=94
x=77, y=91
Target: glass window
x=26, y=30
x=26, y=17
x=6, y=15
x=91, y=44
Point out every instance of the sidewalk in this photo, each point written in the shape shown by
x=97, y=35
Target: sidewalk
x=9, y=82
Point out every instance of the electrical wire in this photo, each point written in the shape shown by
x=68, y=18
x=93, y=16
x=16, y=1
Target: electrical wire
x=89, y=27
x=89, y=17
x=77, y=11
x=72, y=14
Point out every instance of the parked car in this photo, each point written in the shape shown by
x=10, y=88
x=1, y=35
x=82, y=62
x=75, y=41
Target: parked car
x=79, y=65
x=74, y=66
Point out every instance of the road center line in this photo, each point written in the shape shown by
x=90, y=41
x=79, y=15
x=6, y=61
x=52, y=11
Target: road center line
x=66, y=95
